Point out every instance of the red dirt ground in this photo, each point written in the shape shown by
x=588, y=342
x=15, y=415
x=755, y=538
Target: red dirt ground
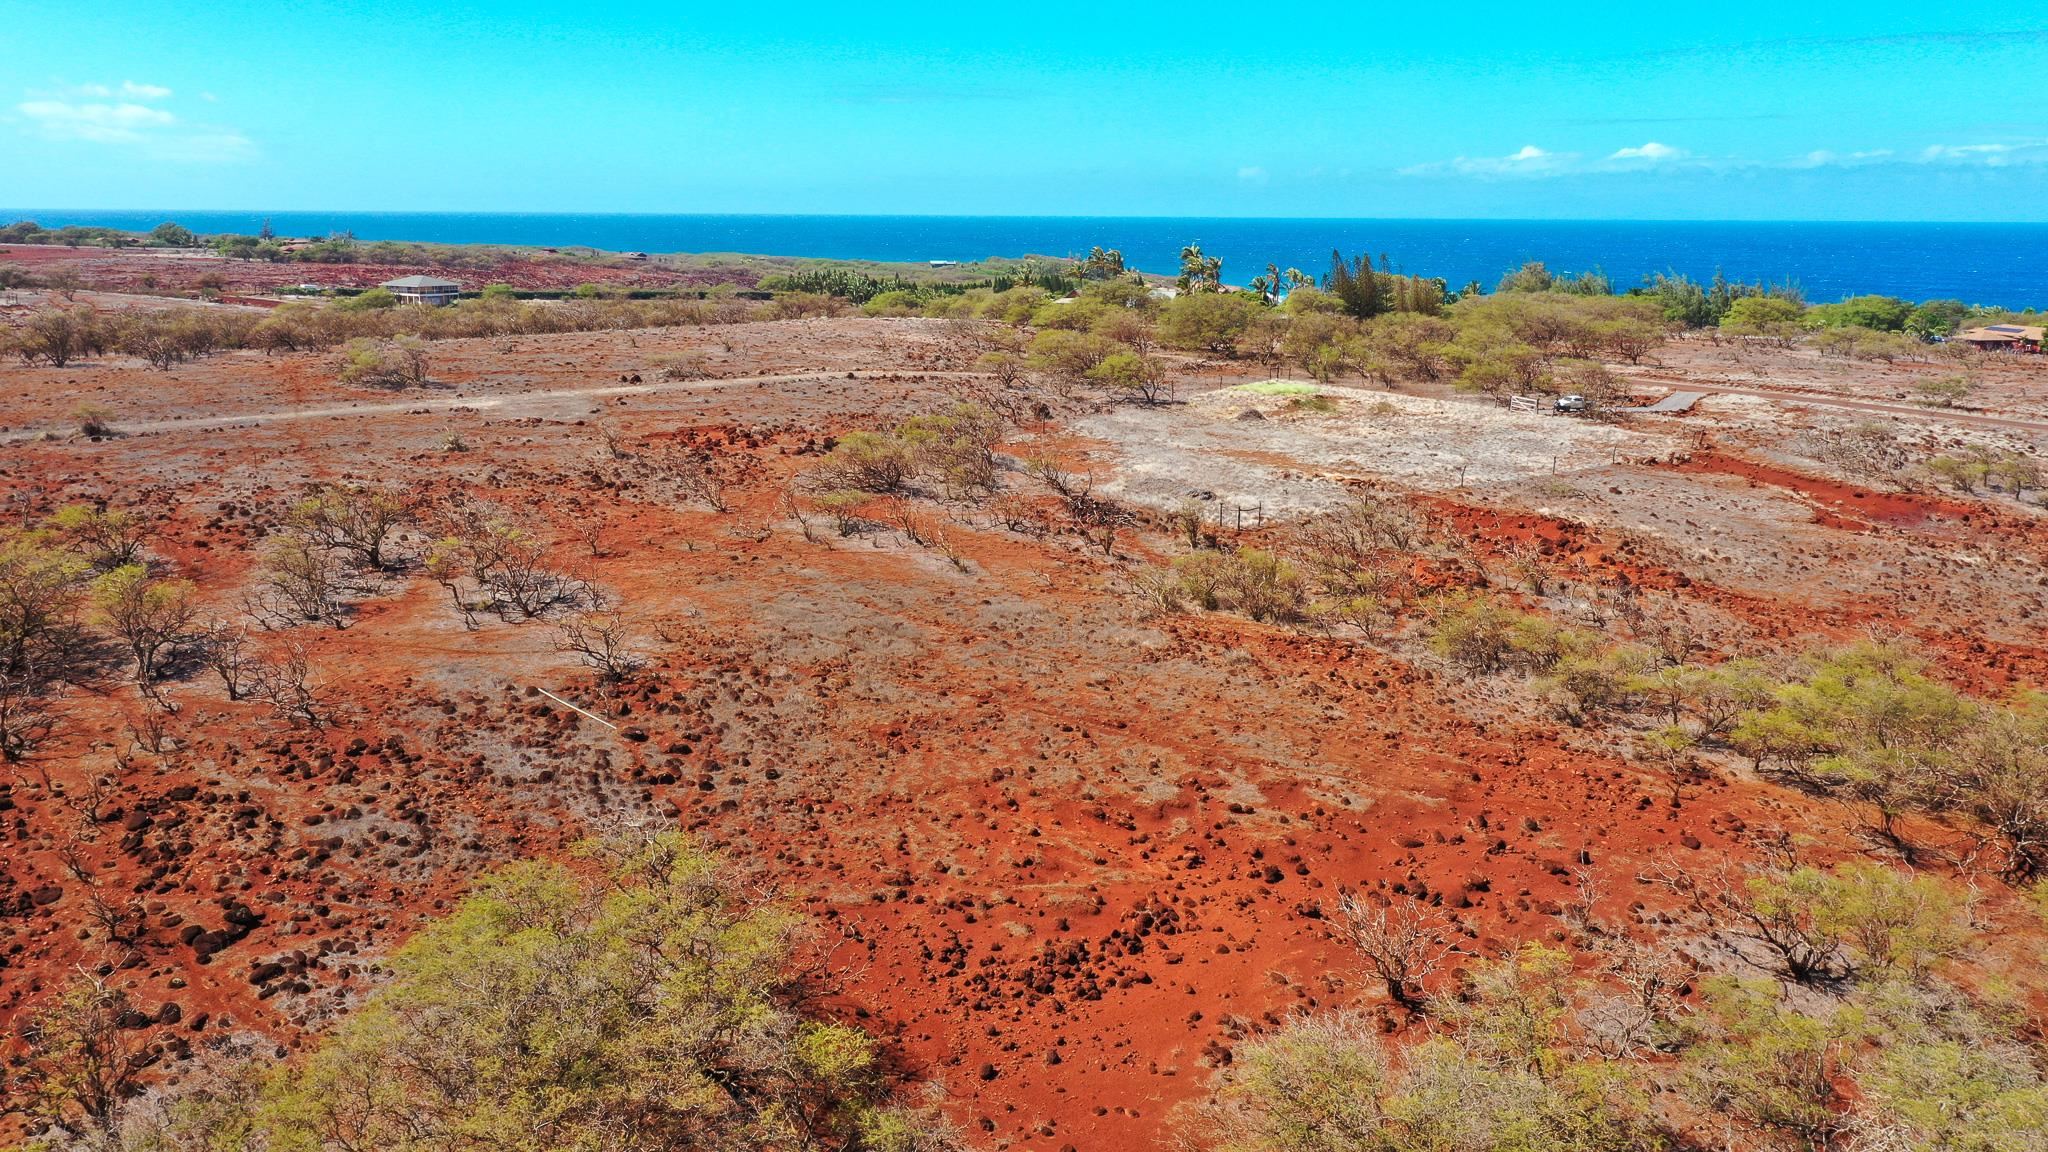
x=1064, y=854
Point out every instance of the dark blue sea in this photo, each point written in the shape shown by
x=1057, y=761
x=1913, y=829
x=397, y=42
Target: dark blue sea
x=2004, y=264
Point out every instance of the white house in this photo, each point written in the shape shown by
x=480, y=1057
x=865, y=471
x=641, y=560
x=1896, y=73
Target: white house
x=422, y=290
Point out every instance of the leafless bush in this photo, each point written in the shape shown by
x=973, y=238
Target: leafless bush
x=1063, y=481
x=1357, y=548
x=508, y=564
x=447, y=564
x=1018, y=513
x=682, y=366
x=1869, y=450
x=522, y=584
x=792, y=505
x=1587, y=891
x=224, y=649
x=905, y=518
x=80, y=1063
x=946, y=544
x=26, y=716
x=286, y=684
x=1641, y=1016
x=698, y=479
x=605, y=642
x=1096, y=520
x=1529, y=567
x=151, y=729
x=1403, y=942
x=120, y=921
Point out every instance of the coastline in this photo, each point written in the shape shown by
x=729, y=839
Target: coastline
x=1976, y=262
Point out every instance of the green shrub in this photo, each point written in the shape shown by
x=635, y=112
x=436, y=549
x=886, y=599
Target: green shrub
x=1944, y=392
x=1767, y=317
x=1871, y=313
x=370, y=301
x=1504, y=1079
x=651, y=1007
x=399, y=363
x=1138, y=377
x=1206, y=321
x=895, y=302
x=1770, y=1071
x=1250, y=581
x=869, y=462
x=1070, y=356
x=1477, y=634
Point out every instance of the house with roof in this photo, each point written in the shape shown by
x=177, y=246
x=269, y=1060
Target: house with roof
x=2003, y=337
x=422, y=290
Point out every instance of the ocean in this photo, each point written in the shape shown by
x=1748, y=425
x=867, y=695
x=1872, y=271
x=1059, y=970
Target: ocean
x=2004, y=264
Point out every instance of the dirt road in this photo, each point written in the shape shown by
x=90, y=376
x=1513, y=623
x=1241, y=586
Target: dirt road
x=458, y=401
x=1946, y=414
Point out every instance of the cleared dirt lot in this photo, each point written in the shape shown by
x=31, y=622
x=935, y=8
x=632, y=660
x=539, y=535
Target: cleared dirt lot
x=1291, y=459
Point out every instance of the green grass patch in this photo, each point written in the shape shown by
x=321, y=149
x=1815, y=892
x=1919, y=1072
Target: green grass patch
x=1279, y=388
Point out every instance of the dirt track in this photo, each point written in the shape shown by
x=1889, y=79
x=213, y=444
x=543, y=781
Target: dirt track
x=1909, y=411
x=505, y=405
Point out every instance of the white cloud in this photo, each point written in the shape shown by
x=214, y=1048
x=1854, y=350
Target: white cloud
x=1252, y=174
x=2001, y=155
x=1532, y=161
x=205, y=146
x=1529, y=161
x=1529, y=155
x=1652, y=152
x=126, y=117
x=104, y=123
x=1824, y=158
x=129, y=90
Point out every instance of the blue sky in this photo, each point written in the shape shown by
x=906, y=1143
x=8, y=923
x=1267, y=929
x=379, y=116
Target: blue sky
x=1738, y=109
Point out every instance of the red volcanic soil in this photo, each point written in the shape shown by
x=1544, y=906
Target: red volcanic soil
x=1837, y=505
x=1063, y=854
x=181, y=272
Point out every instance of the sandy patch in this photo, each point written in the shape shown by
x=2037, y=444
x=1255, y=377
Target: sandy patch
x=1294, y=459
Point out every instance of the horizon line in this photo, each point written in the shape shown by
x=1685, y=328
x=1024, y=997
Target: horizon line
x=509, y=212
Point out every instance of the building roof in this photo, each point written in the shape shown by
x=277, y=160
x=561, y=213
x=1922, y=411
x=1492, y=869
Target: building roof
x=2002, y=333
x=418, y=282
